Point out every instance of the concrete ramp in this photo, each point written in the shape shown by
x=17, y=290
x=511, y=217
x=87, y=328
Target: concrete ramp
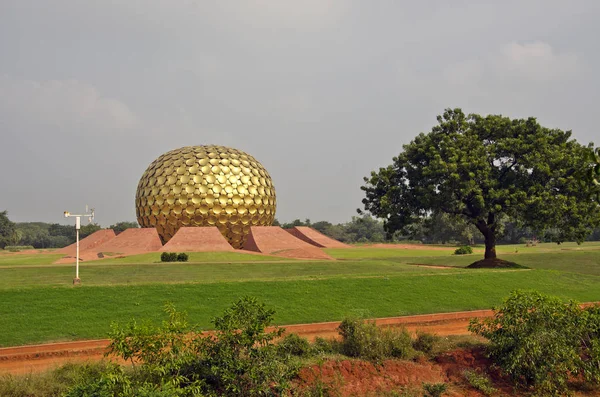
x=273, y=240
x=89, y=243
x=315, y=238
x=197, y=239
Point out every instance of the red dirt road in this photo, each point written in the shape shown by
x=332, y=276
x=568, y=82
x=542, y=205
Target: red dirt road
x=37, y=358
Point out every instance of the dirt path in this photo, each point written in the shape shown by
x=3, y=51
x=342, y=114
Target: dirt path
x=37, y=358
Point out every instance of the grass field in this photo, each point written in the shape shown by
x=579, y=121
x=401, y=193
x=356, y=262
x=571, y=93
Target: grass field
x=38, y=303
x=194, y=257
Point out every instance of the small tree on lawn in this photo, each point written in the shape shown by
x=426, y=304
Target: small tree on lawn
x=485, y=168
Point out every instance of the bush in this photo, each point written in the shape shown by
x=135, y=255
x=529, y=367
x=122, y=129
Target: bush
x=168, y=257
x=480, y=382
x=535, y=339
x=464, y=250
x=17, y=248
x=434, y=389
x=366, y=340
x=425, y=342
x=294, y=345
x=325, y=346
x=51, y=383
x=182, y=257
x=176, y=360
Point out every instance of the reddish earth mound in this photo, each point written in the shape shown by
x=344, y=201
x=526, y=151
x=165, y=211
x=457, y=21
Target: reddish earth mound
x=315, y=238
x=129, y=242
x=359, y=378
x=197, y=239
x=90, y=242
x=274, y=240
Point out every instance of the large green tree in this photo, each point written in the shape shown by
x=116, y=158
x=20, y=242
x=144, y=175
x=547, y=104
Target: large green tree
x=7, y=230
x=595, y=169
x=483, y=169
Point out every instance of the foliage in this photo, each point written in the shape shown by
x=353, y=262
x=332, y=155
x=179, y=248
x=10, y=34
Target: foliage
x=182, y=257
x=363, y=339
x=17, y=248
x=7, y=230
x=594, y=171
x=294, y=345
x=46, y=235
x=484, y=169
x=480, y=382
x=242, y=359
x=51, y=383
x=464, y=250
x=174, y=257
x=425, y=342
x=177, y=360
x=539, y=341
x=434, y=389
x=122, y=226
x=360, y=229
x=168, y=257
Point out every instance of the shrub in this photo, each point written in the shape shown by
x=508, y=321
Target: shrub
x=366, y=340
x=17, y=248
x=434, y=389
x=294, y=345
x=182, y=257
x=242, y=358
x=425, y=342
x=174, y=359
x=535, y=339
x=464, y=250
x=480, y=382
x=168, y=257
x=325, y=346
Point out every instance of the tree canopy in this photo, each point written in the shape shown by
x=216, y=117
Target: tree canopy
x=485, y=169
x=122, y=226
x=7, y=230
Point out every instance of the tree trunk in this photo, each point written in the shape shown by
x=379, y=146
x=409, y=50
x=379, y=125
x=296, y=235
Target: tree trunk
x=490, y=246
x=488, y=229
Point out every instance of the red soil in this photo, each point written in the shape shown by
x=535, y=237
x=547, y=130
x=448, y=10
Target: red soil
x=273, y=240
x=90, y=242
x=129, y=242
x=360, y=378
x=34, y=358
x=197, y=239
x=315, y=238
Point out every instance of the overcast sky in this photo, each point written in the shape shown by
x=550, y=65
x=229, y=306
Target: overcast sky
x=321, y=92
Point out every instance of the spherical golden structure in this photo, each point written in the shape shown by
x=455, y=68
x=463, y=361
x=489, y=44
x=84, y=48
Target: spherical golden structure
x=206, y=186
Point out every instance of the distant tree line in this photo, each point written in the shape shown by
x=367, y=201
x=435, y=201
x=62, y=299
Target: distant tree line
x=48, y=235
x=437, y=228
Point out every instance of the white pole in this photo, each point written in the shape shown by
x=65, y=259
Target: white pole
x=90, y=216
x=77, y=258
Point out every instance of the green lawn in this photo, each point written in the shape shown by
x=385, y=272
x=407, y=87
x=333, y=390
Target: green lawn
x=28, y=259
x=586, y=262
x=383, y=253
x=153, y=257
x=19, y=277
x=40, y=304
x=31, y=315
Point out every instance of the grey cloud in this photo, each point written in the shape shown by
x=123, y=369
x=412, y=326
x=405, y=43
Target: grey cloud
x=320, y=91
